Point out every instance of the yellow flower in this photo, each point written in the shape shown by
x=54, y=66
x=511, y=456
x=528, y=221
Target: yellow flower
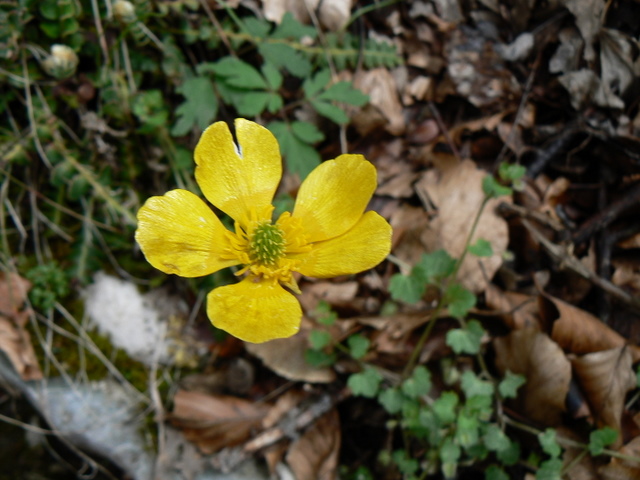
x=327, y=234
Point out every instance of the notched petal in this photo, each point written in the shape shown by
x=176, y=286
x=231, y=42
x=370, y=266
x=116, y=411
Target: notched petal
x=178, y=233
x=238, y=178
x=254, y=310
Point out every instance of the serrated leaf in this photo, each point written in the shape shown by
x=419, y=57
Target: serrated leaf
x=472, y=386
x=300, y=157
x=495, y=439
x=601, y=438
x=251, y=104
x=307, y=132
x=275, y=103
x=434, y=266
x=550, y=470
x=494, y=472
x=445, y=407
x=493, y=189
x=466, y=340
x=291, y=28
x=392, y=400
x=358, y=346
x=549, y=443
x=319, y=339
x=510, y=455
x=406, y=464
x=346, y=93
x=332, y=112
x=272, y=75
x=313, y=85
x=199, y=108
x=459, y=300
x=256, y=27
x=324, y=314
x=319, y=358
x=365, y=383
x=406, y=288
x=482, y=248
x=511, y=172
x=285, y=56
x=508, y=386
x=418, y=384
x=239, y=74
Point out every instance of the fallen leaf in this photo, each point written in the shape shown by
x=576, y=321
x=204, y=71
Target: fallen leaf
x=517, y=310
x=286, y=357
x=383, y=102
x=335, y=294
x=577, y=331
x=623, y=468
x=605, y=378
x=15, y=340
x=214, y=422
x=548, y=372
x=457, y=194
x=315, y=455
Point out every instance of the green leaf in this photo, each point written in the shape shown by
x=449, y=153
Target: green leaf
x=291, y=28
x=365, y=383
x=392, y=400
x=272, y=75
x=406, y=288
x=550, y=470
x=492, y=188
x=239, y=74
x=474, y=386
x=406, y=464
x=482, y=248
x=459, y=300
x=599, y=439
x=300, y=157
x=467, y=430
x=256, y=27
x=319, y=339
x=434, y=266
x=199, y=108
x=251, y=104
x=510, y=455
x=346, y=93
x=511, y=172
x=494, y=472
x=495, y=439
x=549, y=443
x=445, y=407
x=307, y=132
x=319, y=358
x=508, y=386
x=285, y=56
x=324, y=314
x=358, y=346
x=466, y=340
x=332, y=112
x=449, y=455
x=313, y=85
x=418, y=384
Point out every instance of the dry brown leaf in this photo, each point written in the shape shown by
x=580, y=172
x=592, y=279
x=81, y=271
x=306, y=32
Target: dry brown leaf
x=314, y=456
x=384, y=104
x=548, y=372
x=285, y=357
x=517, y=310
x=408, y=224
x=605, y=378
x=15, y=341
x=335, y=294
x=393, y=331
x=577, y=331
x=213, y=422
x=623, y=469
x=457, y=194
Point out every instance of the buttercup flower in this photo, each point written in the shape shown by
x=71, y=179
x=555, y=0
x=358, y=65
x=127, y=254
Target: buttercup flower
x=327, y=234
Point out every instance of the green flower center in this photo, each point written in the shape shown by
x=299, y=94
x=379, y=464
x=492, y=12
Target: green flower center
x=267, y=244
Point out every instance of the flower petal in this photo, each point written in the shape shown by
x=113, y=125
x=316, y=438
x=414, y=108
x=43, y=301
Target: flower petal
x=178, y=233
x=334, y=195
x=254, y=310
x=361, y=248
x=237, y=179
